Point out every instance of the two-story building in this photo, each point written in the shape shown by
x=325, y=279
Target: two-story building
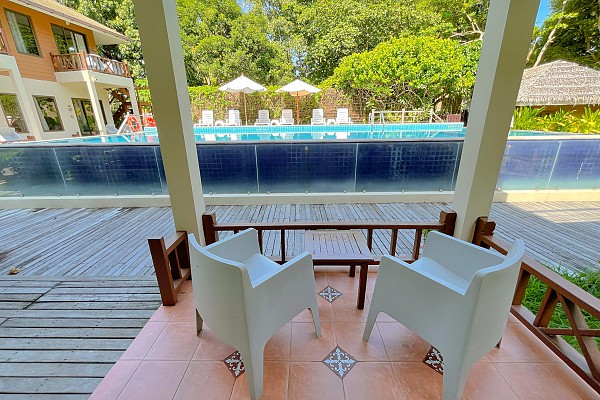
x=52, y=82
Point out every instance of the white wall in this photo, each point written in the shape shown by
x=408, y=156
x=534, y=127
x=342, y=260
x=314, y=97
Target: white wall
x=63, y=93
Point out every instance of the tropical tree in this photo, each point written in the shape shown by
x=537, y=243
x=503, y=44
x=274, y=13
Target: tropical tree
x=571, y=32
x=411, y=72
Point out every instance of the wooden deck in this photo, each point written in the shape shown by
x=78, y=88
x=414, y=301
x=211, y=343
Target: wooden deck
x=86, y=288
x=60, y=336
x=112, y=241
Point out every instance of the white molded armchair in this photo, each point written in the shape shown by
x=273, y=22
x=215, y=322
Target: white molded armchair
x=457, y=296
x=245, y=297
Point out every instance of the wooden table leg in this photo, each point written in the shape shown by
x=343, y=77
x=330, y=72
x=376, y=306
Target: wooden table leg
x=352, y=272
x=362, y=286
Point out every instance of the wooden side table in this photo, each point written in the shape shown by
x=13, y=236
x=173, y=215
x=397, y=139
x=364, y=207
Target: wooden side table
x=339, y=247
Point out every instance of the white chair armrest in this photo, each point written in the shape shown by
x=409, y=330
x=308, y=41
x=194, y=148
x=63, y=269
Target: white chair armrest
x=297, y=265
x=237, y=248
x=392, y=269
x=458, y=256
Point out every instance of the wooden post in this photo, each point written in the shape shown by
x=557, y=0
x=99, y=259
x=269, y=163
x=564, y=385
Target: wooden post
x=171, y=263
x=448, y=218
x=483, y=226
x=209, y=219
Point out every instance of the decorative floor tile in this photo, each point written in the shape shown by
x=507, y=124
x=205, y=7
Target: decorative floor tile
x=330, y=294
x=434, y=360
x=339, y=362
x=235, y=364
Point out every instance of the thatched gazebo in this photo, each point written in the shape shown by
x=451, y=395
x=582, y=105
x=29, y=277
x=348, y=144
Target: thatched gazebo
x=560, y=84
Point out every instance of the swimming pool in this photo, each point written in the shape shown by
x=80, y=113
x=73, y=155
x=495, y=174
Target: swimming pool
x=293, y=132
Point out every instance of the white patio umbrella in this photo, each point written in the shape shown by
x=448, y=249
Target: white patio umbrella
x=243, y=85
x=298, y=89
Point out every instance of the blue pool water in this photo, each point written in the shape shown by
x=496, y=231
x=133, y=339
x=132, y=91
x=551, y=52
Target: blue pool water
x=296, y=132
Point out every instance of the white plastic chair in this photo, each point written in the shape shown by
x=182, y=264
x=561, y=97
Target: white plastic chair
x=318, y=117
x=457, y=297
x=245, y=297
x=342, y=117
x=233, y=118
x=207, y=118
x=263, y=118
x=287, y=117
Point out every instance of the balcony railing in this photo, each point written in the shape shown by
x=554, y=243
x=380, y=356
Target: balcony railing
x=575, y=302
x=3, y=47
x=81, y=61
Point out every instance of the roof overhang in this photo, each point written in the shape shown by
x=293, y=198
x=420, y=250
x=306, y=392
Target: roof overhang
x=102, y=34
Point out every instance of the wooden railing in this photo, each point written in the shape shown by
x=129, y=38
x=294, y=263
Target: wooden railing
x=3, y=47
x=573, y=299
x=171, y=259
x=445, y=224
x=81, y=61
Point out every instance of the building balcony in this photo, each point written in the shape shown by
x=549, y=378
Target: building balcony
x=91, y=62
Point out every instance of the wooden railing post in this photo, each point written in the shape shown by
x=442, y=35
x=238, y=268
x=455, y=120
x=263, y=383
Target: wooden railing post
x=171, y=263
x=483, y=226
x=209, y=219
x=448, y=218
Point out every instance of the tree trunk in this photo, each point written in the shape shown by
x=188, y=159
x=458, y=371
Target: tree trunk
x=551, y=35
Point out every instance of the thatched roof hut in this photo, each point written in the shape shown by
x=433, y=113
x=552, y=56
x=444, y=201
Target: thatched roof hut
x=559, y=83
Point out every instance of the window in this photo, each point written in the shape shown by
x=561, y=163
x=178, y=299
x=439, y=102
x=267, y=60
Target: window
x=68, y=41
x=48, y=112
x=22, y=32
x=12, y=112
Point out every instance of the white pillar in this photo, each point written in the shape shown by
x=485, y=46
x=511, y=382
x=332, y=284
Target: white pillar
x=26, y=103
x=163, y=57
x=95, y=101
x=507, y=37
x=133, y=100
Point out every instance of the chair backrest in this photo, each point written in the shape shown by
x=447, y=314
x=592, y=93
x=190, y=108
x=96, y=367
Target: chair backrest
x=318, y=116
x=218, y=289
x=263, y=117
x=234, y=117
x=342, y=115
x=287, y=118
x=207, y=117
x=496, y=290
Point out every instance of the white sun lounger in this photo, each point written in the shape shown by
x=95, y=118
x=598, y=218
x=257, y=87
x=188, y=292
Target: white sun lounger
x=207, y=118
x=287, y=118
x=263, y=118
x=318, y=117
x=342, y=117
x=233, y=118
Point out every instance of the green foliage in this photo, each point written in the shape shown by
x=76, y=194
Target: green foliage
x=588, y=281
x=532, y=119
x=577, y=34
x=412, y=72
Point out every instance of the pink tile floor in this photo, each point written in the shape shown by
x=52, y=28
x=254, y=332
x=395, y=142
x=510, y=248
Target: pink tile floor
x=168, y=360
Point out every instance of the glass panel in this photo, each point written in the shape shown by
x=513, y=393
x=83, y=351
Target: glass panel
x=48, y=112
x=406, y=166
x=12, y=112
x=577, y=165
x=22, y=33
x=106, y=170
x=312, y=167
x=30, y=171
x=79, y=42
x=227, y=168
x=527, y=164
x=61, y=41
x=85, y=117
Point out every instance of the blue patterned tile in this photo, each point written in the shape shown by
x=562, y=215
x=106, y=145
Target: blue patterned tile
x=434, y=360
x=235, y=364
x=330, y=294
x=339, y=362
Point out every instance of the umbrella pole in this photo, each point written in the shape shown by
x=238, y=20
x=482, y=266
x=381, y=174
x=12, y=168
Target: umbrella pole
x=298, y=110
x=245, y=110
